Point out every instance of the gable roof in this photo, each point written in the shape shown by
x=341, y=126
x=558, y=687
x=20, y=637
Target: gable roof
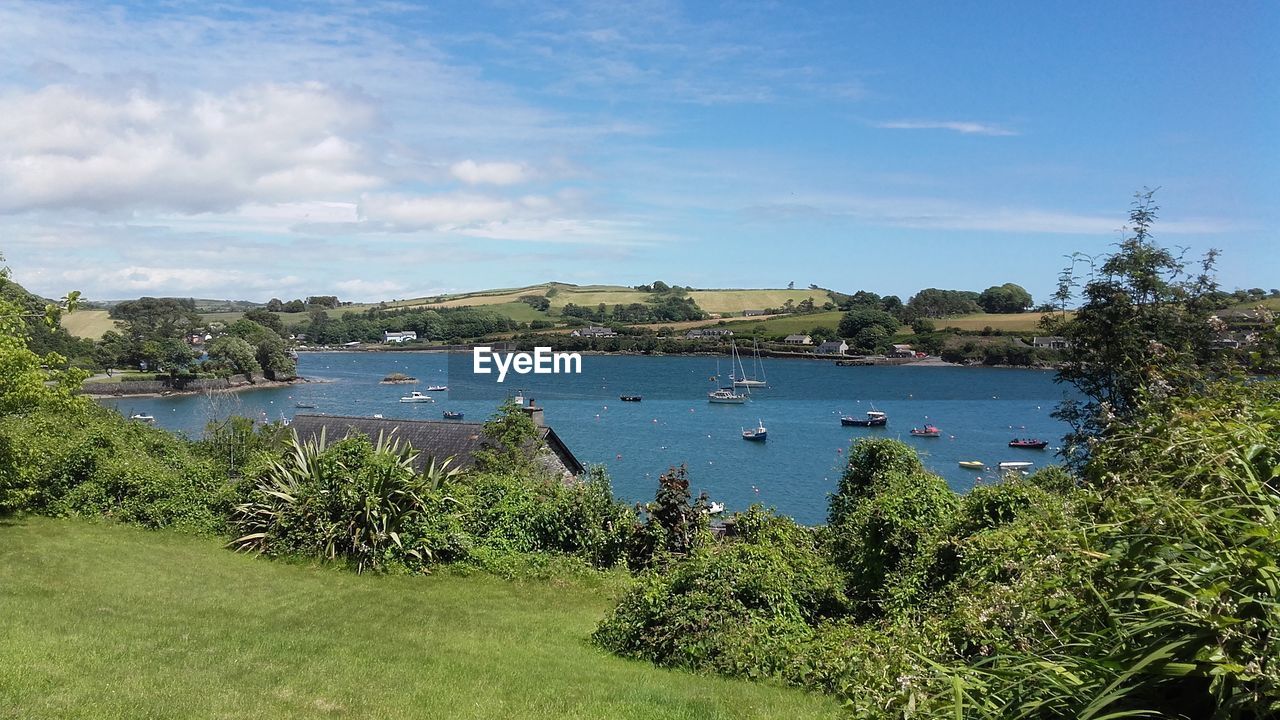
x=431, y=438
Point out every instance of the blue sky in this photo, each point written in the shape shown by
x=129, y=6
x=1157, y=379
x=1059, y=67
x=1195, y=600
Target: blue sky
x=380, y=150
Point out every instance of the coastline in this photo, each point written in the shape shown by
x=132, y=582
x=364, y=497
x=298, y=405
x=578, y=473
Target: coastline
x=120, y=390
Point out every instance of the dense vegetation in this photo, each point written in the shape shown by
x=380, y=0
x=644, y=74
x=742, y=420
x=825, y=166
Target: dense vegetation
x=448, y=324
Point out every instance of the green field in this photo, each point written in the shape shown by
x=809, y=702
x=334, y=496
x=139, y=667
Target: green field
x=789, y=324
x=1015, y=322
x=108, y=621
x=91, y=324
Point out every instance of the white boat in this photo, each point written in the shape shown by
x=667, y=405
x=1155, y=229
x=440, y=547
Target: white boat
x=416, y=397
x=757, y=433
x=438, y=388
x=143, y=417
x=715, y=508
x=726, y=396
x=740, y=377
x=1016, y=465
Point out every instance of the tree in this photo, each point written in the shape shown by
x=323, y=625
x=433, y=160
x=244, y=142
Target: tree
x=869, y=338
x=235, y=354
x=1143, y=330
x=275, y=305
x=170, y=355
x=1006, y=298
x=294, y=306
x=923, y=326
x=323, y=301
x=29, y=380
x=791, y=285
x=858, y=319
x=266, y=319
x=511, y=442
x=936, y=303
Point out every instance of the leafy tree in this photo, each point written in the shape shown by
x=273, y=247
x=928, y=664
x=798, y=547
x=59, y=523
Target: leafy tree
x=935, y=303
x=266, y=319
x=682, y=523
x=294, y=306
x=512, y=442
x=1142, y=329
x=275, y=305
x=323, y=301
x=235, y=354
x=923, y=326
x=29, y=380
x=1006, y=298
x=170, y=355
x=859, y=319
x=869, y=338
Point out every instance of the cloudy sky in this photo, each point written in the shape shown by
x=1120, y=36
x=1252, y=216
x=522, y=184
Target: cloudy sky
x=380, y=150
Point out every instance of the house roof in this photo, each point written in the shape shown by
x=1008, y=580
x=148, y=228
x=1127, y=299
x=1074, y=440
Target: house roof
x=431, y=438
x=797, y=337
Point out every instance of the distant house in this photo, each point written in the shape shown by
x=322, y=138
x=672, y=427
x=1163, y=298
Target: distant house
x=753, y=313
x=594, y=331
x=699, y=333
x=798, y=340
x=1052, y=342
x=833, y=347
x=438, y=439
x=901, y=351
x=398, y=337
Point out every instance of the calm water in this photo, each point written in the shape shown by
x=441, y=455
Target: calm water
x=978, y=410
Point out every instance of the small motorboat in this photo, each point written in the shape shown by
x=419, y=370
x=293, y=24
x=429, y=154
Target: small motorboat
x=926, y=431
x=452, y=415
x=438, y=388
x=972, y=465
x=726, y=396
x=1015, y=465
x=757, y=433
x=630, y=398
x=715, y=508
x=1029, y=443
x=875, y=418
x=304, y=406
x=143, y=417
x=416, y=397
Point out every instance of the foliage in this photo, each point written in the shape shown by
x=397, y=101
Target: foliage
x=512, y=442
x=233, y=355
x=350, y=501
x=1006, y=298
x=1143, y=327
x=86, y=460
x=935, y=303
x=862, y=318
x=28, y=380
x=673, y=524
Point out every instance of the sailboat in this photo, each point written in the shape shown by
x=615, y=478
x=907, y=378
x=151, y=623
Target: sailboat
x=743, y=380
x=725, y=395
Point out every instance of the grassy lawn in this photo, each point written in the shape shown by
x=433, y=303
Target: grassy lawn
x=106, y=621
x=91, y=324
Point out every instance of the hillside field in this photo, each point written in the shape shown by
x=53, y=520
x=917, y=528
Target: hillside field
x=109, y=621
x=90, y=324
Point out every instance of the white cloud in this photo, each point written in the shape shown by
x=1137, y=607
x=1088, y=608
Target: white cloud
x=492, y=173
x=409, y=212
x=963, y=127
x=63, y=147
x=359, y=290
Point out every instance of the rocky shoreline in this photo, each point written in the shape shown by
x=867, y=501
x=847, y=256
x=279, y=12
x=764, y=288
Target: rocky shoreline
x=160, y=388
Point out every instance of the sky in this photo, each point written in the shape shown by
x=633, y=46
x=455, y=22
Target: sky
x=385, y=150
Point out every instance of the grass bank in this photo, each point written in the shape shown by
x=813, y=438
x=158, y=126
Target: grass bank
x=107, y=621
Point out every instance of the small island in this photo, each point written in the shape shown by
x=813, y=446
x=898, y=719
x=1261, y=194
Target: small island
x=398, y=379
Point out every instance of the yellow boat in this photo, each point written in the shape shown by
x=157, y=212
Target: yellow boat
x=972, y=464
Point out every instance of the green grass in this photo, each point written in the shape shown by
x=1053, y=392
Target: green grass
x=90, y=324
x=1028, y=322
x=789, y=324
x=107, y=621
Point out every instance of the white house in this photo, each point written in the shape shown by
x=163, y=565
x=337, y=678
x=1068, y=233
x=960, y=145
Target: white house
x=1052, y=342
x=833, y=347
x=593, y=331
x=707, y=333
x=398, y=337
x=798, y=340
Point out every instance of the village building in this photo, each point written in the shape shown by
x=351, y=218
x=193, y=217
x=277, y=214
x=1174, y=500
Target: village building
x=399, y=337
x=1051, y=342
x=753, y=313
x=833, y=347
x=699, y=333
x=594, y=331
x=798, y=340
x=901, y=351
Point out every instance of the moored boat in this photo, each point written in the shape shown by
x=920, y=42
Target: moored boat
x=438, y=388
x=143, y=417
x=452, y=415
x=630, y=398
x=1029, y=443
x=416, y=397
x=1015, y=465
x=726, y=396
x=874, y=418
x=972, y=464
x=926, y=431
x=757, y=433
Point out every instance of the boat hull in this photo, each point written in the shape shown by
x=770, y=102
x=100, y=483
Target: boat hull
x=972, y=465
x=755, y=437
x=1029, y=446
x=855, y=422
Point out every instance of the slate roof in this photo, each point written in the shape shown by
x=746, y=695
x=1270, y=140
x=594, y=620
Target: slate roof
x=431, y=438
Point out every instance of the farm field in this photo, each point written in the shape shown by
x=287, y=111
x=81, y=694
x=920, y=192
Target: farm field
x=110, y=621
x=976, y=321
x=788, y=324
x=90, y=324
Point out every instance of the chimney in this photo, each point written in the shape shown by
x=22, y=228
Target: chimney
x=535, y=413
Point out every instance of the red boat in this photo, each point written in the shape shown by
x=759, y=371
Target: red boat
x=1029, y=444
x=926, y=431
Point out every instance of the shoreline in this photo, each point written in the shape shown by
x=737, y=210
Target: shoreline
x=236, y=388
